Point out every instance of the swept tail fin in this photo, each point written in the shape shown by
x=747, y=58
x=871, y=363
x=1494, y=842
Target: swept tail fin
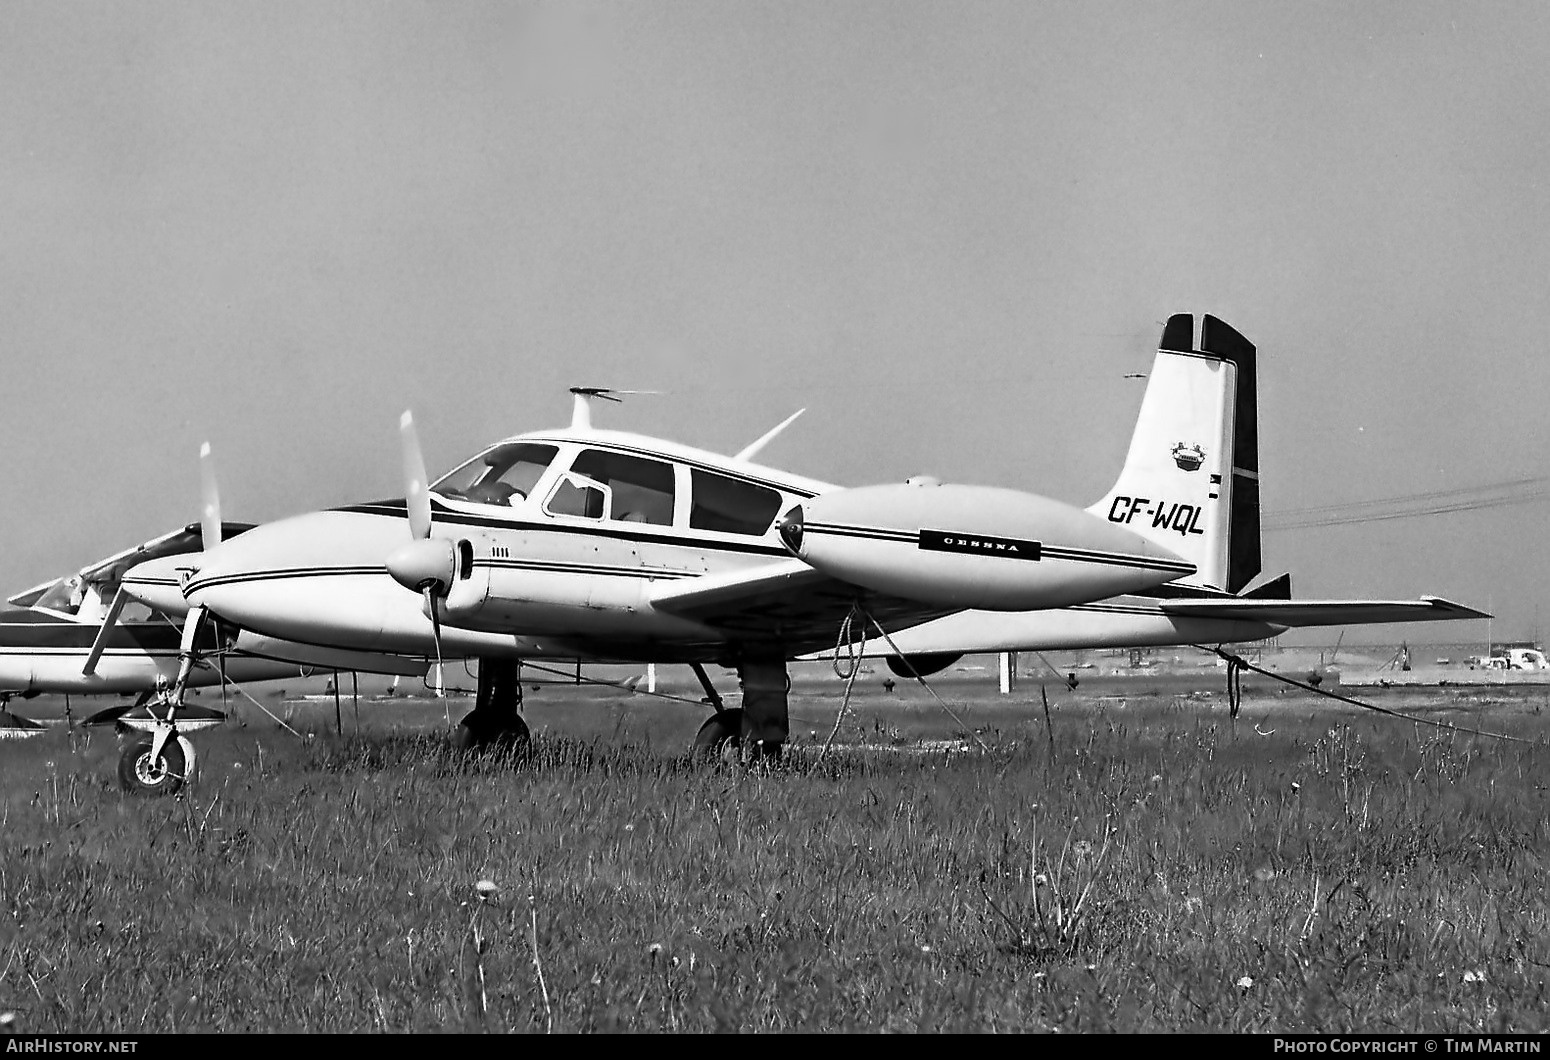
x=1191, y=477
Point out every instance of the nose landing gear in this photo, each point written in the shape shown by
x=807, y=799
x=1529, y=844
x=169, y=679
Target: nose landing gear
x=163, y=762
x=147, y=769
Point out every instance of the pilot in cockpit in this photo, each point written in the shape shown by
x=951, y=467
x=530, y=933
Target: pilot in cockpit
x=503, y=476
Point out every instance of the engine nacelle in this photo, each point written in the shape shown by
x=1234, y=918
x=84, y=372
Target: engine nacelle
x=974, y=547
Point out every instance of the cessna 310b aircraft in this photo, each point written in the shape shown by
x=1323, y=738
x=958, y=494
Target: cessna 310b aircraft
x=602, y=544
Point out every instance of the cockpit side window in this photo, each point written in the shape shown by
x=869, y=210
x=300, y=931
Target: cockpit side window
x=579, y=497
x=505, y=475
x=731, y=505
x=641, y=490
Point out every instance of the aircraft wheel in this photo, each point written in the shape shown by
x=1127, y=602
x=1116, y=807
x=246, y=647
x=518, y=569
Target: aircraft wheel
x=720, y=738
x=471, y=735
x=139, y=774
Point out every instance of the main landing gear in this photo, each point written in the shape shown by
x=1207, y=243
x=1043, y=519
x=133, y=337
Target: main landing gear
x=495, y=721
x=756, y=731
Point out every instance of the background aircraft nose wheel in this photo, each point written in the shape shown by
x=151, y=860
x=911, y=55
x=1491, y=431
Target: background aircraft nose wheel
x=141, y=774
x=720, y=738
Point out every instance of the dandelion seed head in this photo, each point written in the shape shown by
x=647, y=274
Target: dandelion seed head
x=7, y=1019
x=1296, y=787
x=1244, y=982
x=655, y=949
x=486, y=889
x=925, y=949
x=629, y=828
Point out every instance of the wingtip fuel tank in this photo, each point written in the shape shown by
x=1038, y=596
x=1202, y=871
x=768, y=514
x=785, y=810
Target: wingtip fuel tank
x=973, y=547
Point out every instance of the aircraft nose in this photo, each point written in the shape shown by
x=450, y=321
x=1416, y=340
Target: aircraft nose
x=297, y=578
x=224, y=577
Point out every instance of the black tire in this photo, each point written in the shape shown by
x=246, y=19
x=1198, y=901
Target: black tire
x=139, y=775
x=720, y=738
x=474, y=734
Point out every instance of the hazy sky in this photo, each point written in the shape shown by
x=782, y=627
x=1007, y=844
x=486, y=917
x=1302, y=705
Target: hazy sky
x=948, y=229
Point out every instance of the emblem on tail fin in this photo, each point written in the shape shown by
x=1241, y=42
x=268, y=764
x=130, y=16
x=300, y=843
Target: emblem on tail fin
x=1189, y=458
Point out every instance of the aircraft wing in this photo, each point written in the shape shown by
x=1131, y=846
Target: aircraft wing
x=108, y=571
x=785, y=603
x=176, y=543
x=1291, y=613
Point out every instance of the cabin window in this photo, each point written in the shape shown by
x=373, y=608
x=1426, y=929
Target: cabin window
x=504, y=475
x=578, y=497
x=731, y=505
x=641, y=490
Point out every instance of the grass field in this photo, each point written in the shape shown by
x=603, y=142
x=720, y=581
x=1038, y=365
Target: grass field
x=1142, y=864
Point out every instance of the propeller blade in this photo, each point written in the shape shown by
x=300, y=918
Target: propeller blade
x=417, y=494
x=101, y=640
x=441, y=687
x=209, y=498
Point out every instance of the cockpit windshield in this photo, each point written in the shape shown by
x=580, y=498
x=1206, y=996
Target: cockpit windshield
x=503, y=475
x=71, y=595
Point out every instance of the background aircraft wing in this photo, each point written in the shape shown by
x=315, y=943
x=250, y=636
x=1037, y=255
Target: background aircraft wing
x=786, y=604
x=107, y=572
x=1292, y=613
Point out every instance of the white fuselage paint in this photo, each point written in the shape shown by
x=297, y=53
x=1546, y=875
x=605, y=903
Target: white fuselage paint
x=539, y=585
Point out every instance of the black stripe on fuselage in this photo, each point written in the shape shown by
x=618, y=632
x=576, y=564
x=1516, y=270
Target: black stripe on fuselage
x=277, y=574
x=876, y=533
x=597, y=570
x=51, y=633
x=440, y=514
x=1083, y=555
x=1116, y=559
x=594, y=569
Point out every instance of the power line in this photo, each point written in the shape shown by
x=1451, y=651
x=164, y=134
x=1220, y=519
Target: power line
x=1431, y=502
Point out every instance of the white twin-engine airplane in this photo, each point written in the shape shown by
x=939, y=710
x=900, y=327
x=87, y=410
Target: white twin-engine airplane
x=607, y=545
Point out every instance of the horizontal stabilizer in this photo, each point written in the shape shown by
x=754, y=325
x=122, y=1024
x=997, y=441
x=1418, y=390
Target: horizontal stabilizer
x=1293, y=613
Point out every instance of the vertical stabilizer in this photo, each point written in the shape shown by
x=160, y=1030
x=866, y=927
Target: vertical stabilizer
x=1191, y=478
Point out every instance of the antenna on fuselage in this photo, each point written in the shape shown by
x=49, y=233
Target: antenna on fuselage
x=748, y=451
x=581, y=413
